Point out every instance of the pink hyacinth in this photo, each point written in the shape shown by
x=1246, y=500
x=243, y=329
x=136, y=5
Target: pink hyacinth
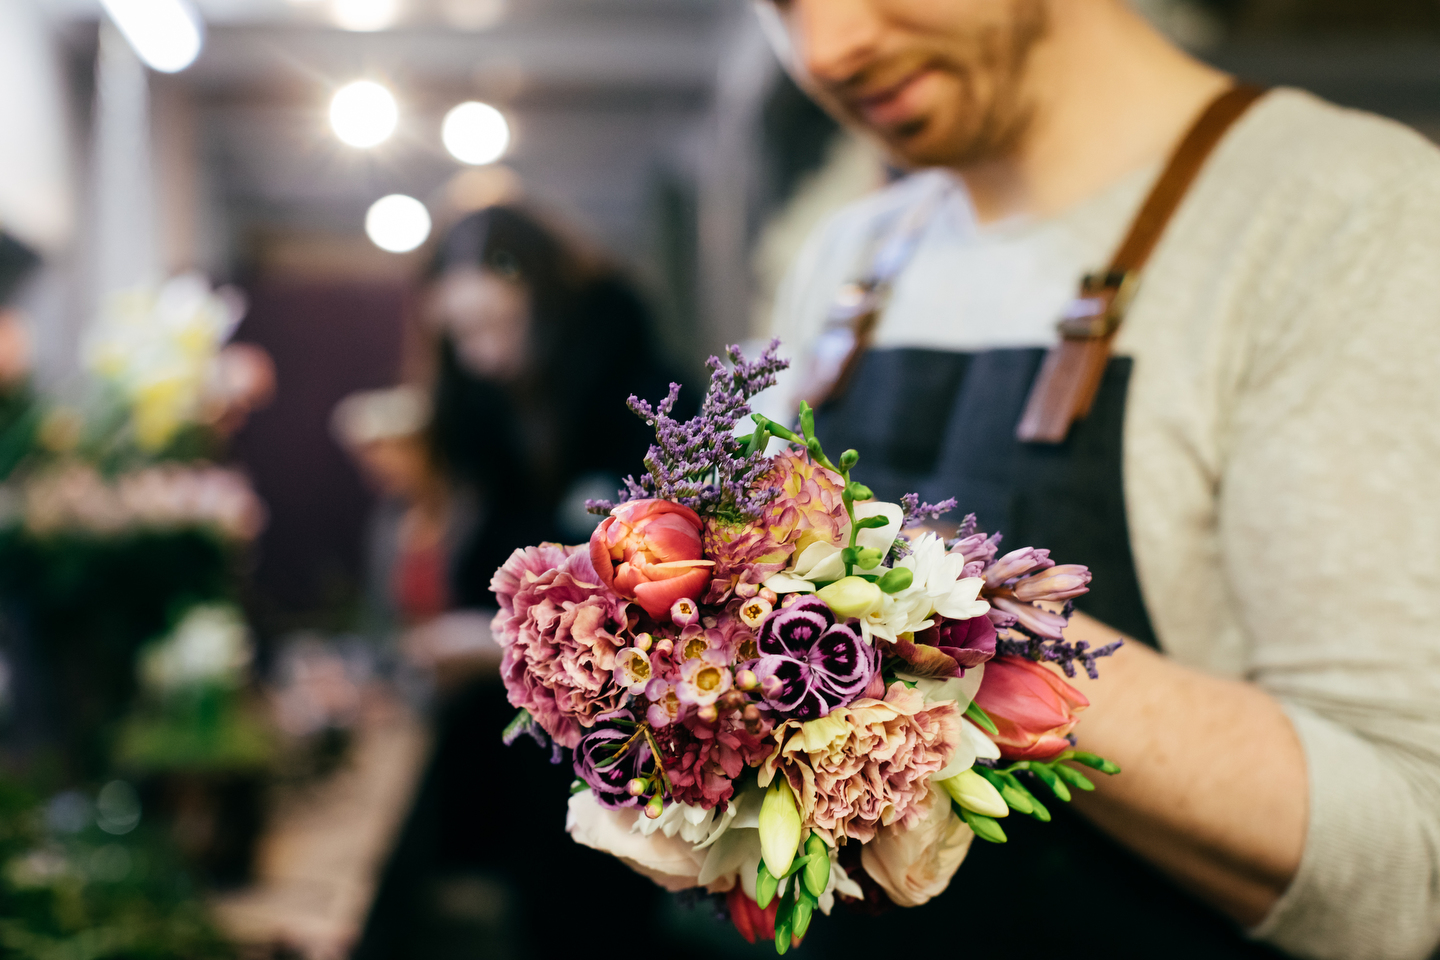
x=560, y=629
x=865, y=765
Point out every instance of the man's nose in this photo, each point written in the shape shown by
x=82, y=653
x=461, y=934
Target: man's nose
x=835, y=39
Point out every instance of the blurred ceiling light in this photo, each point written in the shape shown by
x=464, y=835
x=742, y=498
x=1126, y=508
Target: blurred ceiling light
x=365, y=15
x=472, y=14
x=475, y=133
x=397, y=223
x=166, y=34
x=363, y=113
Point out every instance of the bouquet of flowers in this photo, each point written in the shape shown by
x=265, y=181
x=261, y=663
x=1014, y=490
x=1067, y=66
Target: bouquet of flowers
x=780, y=690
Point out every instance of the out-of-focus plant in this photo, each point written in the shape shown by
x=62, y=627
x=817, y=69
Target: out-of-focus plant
x=193, y=714
x=83, y=876
x=154, y=352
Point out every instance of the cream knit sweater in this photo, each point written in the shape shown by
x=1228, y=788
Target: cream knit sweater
x=1282, y=456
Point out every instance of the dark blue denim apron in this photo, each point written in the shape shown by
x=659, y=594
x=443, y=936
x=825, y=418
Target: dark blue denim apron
x=943, y=424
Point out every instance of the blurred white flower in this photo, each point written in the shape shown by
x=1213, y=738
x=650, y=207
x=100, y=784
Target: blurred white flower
x=211, y=644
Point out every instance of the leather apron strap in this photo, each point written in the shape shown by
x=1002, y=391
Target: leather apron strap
x=1065, y=387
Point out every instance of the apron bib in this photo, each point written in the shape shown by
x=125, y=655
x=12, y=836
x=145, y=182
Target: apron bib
x=943, y=424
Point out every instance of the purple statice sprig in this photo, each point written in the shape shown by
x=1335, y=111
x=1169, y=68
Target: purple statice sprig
x=701, y=463
x=917, y=512
x=1019, y=642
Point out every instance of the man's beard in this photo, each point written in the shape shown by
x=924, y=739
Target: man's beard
x=994, y=113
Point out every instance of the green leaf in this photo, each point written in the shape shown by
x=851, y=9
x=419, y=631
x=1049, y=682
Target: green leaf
x=981, y=719
x=986, y=828
x=765, y=886
x=804, y=910
x=1047, y=776
x=1096, y=762
x=578, y=786
x=513, y=728
x=784, y=921
x=1073, y=777
x=896, y=580
x=1015, y=799
x=797, y=865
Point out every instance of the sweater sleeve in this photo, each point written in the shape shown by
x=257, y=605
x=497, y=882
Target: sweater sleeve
x=1330, y=526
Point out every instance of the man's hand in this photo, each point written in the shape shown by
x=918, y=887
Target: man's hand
x=1214, y=789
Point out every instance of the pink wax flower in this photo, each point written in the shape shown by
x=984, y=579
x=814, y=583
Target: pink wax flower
x=866, y=765
x=560, y=630
x=703, y=681
x=1033, y=709
x=649, y=551
x=702, y=759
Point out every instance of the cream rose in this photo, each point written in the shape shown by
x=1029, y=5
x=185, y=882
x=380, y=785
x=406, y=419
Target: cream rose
x=914, y=865
x=672, y=862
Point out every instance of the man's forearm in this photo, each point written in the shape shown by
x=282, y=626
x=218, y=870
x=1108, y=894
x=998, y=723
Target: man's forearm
x=1214, y=787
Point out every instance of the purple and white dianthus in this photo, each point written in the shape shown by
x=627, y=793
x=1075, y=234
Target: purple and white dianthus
x=809, y=664
x=595, y=761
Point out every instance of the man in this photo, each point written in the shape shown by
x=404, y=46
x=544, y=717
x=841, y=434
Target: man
x=1268, y=520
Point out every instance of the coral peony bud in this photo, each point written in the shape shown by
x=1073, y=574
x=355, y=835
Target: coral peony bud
x=976, y=794
x=779, y=827
x=851, y=597
x=754, y=612
x=1032, y=708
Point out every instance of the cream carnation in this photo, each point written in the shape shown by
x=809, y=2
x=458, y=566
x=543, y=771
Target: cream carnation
x=866, y=765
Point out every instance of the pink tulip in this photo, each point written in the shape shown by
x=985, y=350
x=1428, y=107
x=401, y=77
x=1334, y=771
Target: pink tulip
x=649, y=551
x=1032, y=708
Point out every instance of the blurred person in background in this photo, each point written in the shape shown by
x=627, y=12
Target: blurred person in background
x=538, y=345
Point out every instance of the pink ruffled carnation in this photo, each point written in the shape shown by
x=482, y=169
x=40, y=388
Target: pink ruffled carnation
x=702, y=760
x=865, y=765
x=560, y=629
x=808, y=508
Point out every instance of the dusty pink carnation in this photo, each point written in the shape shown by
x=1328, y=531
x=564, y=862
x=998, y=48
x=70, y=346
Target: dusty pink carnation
x=866, y=765
x=559, y=628
x=808, y=508
x=702, y=760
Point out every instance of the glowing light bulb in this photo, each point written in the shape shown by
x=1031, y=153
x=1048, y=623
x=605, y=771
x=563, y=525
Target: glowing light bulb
x=397, y=223
x=475, y=133
x=364, y=15
x=166, y=34
x=363, y=113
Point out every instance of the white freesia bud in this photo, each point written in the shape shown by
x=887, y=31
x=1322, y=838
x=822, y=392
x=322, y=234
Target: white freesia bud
x=976, y=794
x=779, y=827
x=851, y=597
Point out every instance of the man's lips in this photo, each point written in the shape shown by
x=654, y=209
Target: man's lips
x=896, y=103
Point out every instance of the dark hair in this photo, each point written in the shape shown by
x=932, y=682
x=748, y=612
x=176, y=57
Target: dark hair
x=524, y=444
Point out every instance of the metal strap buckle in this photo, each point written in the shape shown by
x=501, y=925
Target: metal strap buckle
x=1101, y=305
